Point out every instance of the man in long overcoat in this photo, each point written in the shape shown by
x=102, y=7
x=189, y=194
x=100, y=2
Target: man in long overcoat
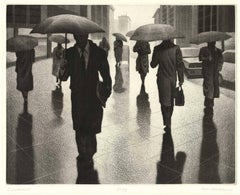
x=142, y=63
x=212, y=61
x=168, y=57
x=83, y=63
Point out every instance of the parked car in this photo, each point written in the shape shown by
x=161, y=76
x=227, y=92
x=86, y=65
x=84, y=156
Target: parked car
x=193, y=67
x=228, y=70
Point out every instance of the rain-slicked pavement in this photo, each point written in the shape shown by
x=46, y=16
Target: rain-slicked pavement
x=132, y=147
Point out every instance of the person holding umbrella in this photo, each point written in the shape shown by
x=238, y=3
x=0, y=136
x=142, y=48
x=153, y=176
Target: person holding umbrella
x=212, y=61
x=83, y=62
x=104, y=45
x=23, y=46
x=142, y=63
x=57, y=56
x=118, y=50
x=168, y=57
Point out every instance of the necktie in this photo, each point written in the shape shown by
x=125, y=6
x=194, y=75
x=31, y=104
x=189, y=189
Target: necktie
x=82, y=61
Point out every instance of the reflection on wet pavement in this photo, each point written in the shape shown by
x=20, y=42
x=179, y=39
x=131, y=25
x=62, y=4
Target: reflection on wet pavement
x=209, y=156
x=169, y=169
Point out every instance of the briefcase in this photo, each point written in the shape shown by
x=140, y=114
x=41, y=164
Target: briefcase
x=179, y=97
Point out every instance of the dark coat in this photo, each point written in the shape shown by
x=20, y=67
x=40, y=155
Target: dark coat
x=23, y=69
x=168, y=57
x=212, y=61
x=87, y=112
x=118, y=50
x=142, y=63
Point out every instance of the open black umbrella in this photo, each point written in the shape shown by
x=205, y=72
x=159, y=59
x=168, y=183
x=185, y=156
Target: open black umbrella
x=209, y=36
x=21, y=43
x=58, y=39
x=67, y=23
x=120, y=36
x=155, y=32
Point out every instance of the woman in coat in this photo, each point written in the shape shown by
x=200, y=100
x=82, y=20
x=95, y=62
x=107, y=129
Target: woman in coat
x=168, y=57
x=142, y=63
x=57, y=61
x=118, y=50
x=212, y=61
x=104, y=45
x=23, y=69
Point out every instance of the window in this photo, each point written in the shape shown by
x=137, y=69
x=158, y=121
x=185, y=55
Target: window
x=200, y=19
x=83, y=10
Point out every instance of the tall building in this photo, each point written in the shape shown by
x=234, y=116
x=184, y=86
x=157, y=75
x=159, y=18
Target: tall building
x=191, y=20
x=124, y=23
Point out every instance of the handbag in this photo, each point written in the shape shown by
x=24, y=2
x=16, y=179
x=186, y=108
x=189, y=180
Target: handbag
x=179, y=97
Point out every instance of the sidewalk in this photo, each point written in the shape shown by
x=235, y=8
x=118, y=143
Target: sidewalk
x=132, y=147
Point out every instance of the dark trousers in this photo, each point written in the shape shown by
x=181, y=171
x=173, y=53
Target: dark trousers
x=208, y=103
x=87, y=145
x=167, y=115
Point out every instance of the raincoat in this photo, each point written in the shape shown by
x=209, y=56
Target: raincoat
x=212, y=61
x=118, y=50
x=57, y=60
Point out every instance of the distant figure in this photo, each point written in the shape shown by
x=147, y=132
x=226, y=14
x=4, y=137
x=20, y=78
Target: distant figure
x=212, y=61
x=23, y=69
x=57, y=60
x=104, y=45
x=142, y=63
x=168, y=57
x=118, y=51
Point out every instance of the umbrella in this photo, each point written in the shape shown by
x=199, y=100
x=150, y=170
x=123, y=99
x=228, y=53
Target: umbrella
x=21, y=43
x=67, y=23
x=210, y=36
x=130, y=33
x=58, y=39
x=155, y=32
x=120, y=36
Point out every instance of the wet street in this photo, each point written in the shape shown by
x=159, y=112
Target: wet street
x=132, y=148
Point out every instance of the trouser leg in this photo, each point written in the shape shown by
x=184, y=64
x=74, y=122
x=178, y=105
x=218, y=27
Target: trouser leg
x=167, y=115
x=208, y=103
x=87, y=145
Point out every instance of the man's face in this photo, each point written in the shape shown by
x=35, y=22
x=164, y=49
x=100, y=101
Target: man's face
x=81, y=40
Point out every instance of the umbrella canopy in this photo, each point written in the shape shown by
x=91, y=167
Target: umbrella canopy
x=130, y=33
x=67, y=23
x=210, y=36
x=58, y=39
x=21, y=43
x=155, y=32
x=120, y=36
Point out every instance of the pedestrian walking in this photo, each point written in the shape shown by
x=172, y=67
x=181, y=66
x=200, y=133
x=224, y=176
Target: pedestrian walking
x=57, y=61
x=104, y=45
x=212, y=61
x=168, y=57
x=142, y=63
x=83, y=62
x=24, y=62
x=118, y=51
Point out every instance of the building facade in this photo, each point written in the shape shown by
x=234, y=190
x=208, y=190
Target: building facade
x=27, y=16
x=124, y=24
x=191, y=20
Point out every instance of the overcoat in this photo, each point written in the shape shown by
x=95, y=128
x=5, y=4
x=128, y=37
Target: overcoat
x=212, y=61
x=23, y=69
x=118, y=50
x=142, y=63
x=168, y=57
x=87, y=111
x=57, y=60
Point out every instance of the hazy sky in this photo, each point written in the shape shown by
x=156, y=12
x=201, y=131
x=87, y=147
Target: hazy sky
x=139, y=14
